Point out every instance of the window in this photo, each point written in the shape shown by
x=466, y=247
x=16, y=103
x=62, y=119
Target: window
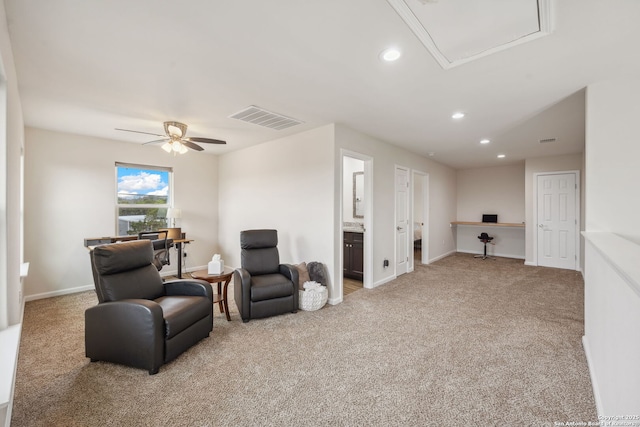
x=144, y=193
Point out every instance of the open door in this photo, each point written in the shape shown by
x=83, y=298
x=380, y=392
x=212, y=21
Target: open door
x=402, y=225
x=420, y=217
x=356, y=219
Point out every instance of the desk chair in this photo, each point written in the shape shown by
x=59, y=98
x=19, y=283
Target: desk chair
x=161, y=245
x=485, y=238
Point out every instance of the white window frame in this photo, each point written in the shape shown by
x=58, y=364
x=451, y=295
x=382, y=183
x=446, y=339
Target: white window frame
x=118, y=206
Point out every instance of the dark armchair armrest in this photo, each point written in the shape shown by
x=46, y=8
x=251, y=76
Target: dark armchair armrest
x=191, y=287
x=242, y=292
x=290, y=272
x=129, y=331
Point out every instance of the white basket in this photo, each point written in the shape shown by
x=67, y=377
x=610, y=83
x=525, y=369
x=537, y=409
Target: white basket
x=312, y=300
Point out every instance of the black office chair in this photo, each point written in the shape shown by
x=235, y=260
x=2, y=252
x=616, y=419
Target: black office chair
x=161, y=246
x=485, y=238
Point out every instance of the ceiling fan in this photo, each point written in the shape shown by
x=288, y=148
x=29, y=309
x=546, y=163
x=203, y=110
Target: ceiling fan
x=174, y=138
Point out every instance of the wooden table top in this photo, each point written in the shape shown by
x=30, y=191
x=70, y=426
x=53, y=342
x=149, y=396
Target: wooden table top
x=204, y=275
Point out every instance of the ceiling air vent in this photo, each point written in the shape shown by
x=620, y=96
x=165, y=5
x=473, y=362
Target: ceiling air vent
x=262, y=117
x=546, y=140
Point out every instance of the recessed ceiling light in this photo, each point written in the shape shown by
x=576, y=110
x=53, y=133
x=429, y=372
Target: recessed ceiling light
x=502, y=156
x=390, y=54
x=457, y=115
x=484, y=141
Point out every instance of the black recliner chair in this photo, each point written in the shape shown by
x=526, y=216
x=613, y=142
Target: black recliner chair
x=263, y=287
x=141, y=321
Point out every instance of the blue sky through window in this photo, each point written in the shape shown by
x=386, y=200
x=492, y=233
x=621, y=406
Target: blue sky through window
x=135, y=183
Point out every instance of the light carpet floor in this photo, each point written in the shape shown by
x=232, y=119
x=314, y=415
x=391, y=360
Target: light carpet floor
x=461, y=342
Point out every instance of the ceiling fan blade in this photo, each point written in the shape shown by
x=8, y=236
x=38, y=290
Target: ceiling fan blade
x=137, y=131
x=157, y=140
x=191, y=145
x=205, y=140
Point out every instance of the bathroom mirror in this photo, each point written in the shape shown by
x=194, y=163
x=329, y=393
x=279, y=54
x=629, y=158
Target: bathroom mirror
x=358, y=194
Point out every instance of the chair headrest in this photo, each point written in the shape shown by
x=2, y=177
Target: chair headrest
x=257, y=239
x=118, y=257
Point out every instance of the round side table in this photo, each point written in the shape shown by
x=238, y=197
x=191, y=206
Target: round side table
x=221, y=297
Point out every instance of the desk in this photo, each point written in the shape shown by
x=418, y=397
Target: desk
x=95, y=241
x=509, y=238
x=179, y=248
x=489, y=224
x=221, y=296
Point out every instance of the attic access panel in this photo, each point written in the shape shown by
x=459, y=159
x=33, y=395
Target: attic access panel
x=459, y=31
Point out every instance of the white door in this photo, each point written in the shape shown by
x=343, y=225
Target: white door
x=402, y=220
x=557, y=222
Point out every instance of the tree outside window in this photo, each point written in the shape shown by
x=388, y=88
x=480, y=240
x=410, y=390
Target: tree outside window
x=143, y=197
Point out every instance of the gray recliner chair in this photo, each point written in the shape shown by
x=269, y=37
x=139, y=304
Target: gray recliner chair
x=140, y=320
x=263, y=287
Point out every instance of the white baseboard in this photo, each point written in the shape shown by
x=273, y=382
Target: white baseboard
x=594, y=381
x=493, y=254
x=334, y=301
x=530, y=264
x=91, y=287
x=438, y=258
x=384, y=280
x=58, y=293
x=165, y=273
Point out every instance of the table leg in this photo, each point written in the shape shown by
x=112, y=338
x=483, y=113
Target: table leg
x=179, y=249
x=225, y=300
x=221, y=302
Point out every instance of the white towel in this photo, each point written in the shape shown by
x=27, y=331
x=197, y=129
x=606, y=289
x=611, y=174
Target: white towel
x=311, y=286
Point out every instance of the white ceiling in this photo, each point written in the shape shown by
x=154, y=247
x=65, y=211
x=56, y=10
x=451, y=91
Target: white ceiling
x=88, y=67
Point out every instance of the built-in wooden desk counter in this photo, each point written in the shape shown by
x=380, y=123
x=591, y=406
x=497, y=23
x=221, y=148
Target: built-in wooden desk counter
x=489, y=224
x=509, y=239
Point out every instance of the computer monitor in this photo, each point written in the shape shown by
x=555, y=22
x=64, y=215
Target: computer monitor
x=490, y=218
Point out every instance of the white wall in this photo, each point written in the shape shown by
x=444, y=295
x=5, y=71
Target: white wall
x=350, y=166
x=612, y=337
x=11, y=144
x=417, y=198
x=548, y=164
x=442, y=198
x=612, y=158
x=495, y=190
x=285, y=184
x=70, y=195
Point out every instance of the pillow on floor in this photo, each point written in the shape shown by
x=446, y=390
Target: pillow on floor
x=317, y=272
x=303, y=274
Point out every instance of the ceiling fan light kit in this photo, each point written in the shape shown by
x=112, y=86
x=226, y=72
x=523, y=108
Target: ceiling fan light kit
x=174, y=140
x=175, y=147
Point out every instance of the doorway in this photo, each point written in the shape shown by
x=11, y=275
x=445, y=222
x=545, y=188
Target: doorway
x=403, y=228
x=420, y=217
x=557, y=226
x=356, y=219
